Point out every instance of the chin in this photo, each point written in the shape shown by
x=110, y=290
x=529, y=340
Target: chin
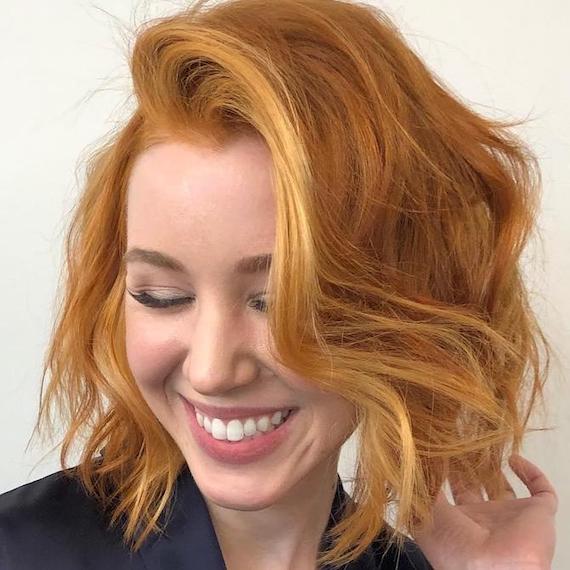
x=240, y=491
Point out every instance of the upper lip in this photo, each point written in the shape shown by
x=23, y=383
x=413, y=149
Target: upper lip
x=234, y=412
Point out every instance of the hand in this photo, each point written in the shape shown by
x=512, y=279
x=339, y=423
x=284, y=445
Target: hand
x=480, y=534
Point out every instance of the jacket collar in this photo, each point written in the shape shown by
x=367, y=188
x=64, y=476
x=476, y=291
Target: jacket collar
x=189, y=539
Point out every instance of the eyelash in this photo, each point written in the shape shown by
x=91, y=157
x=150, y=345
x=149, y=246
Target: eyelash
x=154, y=303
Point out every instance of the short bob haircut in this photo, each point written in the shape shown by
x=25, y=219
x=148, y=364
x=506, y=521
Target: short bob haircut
x=402, y=215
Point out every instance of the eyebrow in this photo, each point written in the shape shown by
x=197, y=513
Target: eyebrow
x=247, y=265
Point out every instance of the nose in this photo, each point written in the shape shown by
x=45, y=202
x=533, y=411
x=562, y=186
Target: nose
x=221, y=354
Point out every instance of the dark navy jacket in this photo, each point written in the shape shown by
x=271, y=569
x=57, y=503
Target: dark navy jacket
x=52, y=524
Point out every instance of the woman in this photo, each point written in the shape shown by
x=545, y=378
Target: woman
x=300, y=234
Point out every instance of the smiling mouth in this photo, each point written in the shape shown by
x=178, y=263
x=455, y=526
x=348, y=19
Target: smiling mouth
x=236, y=430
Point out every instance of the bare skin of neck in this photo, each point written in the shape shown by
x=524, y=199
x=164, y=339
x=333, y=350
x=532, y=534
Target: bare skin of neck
x=285, y=536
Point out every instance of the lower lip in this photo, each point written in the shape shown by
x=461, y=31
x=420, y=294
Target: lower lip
x=248, y=450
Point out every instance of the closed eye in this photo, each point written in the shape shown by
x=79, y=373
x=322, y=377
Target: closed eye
x=144, y=298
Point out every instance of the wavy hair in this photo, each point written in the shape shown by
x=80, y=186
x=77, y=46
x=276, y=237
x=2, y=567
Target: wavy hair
x=402, y=215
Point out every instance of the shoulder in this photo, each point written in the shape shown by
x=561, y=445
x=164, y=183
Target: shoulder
x=52, y=521
x=45, y=503
x=39, y=492
x=45, y=500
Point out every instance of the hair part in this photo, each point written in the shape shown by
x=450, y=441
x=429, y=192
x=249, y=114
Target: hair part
x=401, y=218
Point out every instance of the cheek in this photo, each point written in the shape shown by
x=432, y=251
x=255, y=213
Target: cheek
x=333, y=417
x=152, y=352
x=338, y=420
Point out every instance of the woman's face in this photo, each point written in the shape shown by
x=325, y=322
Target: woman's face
x=207, y=210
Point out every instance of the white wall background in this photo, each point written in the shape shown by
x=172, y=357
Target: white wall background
x=65, y=82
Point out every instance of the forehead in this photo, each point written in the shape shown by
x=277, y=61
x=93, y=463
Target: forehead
x=181, y=195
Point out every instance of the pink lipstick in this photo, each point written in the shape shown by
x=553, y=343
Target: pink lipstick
x=248, y=449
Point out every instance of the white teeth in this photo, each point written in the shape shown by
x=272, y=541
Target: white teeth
x=236, y=430
x=218, y=429
x=263, y=424
x=249, y=427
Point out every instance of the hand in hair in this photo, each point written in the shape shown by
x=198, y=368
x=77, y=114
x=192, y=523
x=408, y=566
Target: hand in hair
x=479, y=534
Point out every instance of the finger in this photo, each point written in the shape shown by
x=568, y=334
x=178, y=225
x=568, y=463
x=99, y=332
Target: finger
x=440, y=508
x=463, y=495
x=534, y=479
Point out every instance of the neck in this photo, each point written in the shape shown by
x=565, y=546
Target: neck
x=285, y=535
